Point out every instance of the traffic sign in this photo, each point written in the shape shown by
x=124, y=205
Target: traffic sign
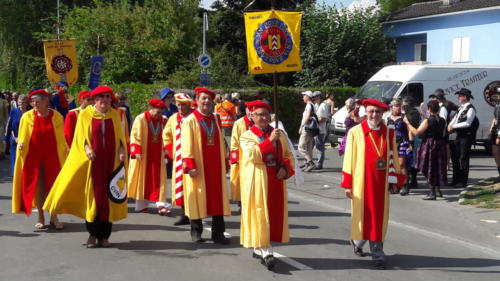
x=205, y=60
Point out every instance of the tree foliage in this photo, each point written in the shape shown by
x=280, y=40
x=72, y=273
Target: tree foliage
x=141, y=42
x=340, y=47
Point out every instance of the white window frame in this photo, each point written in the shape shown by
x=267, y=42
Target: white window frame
x=418, y=51
x=460, y=50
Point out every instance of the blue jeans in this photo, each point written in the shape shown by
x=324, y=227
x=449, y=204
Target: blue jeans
x=319, y=143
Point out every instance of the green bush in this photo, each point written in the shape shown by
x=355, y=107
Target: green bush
x=290, y=101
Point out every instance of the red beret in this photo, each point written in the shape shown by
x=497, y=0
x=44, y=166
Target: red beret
x=376, y=103
x=83, y=95
x=253, y=105
x=157, y=103
x=103, y=89
x=41, y=92
x=199, y=90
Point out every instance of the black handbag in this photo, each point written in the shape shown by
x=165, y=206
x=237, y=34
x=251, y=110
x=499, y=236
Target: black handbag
x=312, y=125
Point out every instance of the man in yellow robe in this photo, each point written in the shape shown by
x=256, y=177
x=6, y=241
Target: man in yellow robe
x=369, y=174
x=173, y=145
x=92, y=182
x=266, y=163
x=147, y=176
x=240, y=126
x=204, y=160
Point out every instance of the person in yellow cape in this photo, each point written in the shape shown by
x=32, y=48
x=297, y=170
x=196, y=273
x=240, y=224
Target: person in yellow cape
x=173, y=146
x=41, y=153
x=204, y=160
x=92, y=182
x=266, y=163
x=369, y=174
x=147, y=174
x=240, y=126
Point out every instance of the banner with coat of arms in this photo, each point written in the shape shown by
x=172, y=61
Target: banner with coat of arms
x=273, y=41
x=60, y=60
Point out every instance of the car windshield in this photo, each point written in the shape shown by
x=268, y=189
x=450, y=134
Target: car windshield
x=379, y=90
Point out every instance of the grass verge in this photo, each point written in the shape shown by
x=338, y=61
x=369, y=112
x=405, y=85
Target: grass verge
x=485, y=194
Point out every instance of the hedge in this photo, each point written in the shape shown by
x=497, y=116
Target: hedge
x=290, y=101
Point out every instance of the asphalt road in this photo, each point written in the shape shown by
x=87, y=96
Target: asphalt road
x=427, y=240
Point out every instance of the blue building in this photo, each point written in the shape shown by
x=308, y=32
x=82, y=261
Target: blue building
x=447, y=32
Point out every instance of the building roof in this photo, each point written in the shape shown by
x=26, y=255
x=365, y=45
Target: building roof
x=432, y=8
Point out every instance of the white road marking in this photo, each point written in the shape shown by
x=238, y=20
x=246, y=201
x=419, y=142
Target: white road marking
x=489, y=221
x=291, y=262
x=416, y=229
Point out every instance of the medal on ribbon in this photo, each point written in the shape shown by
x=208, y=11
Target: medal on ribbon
x=209, y=131
x=380, y=162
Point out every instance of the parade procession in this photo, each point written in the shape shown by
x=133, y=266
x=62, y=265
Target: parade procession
x=114, y=172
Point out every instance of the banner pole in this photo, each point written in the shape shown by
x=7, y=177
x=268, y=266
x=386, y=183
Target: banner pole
x=275, y=98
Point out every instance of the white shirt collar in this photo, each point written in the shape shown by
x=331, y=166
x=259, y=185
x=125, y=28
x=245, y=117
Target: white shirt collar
x=373, y=128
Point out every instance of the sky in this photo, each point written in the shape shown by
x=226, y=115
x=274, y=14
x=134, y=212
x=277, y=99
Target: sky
x=207, y=3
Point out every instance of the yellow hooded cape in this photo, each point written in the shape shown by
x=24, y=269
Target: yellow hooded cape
x=73, y=191
x=25, y=129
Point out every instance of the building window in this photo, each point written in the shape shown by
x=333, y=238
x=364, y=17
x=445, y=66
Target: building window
x=461, y=49
x=421, y=52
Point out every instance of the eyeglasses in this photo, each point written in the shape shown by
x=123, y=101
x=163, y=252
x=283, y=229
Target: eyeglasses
x=103, y=96
x=374, y=112
x=262, y=115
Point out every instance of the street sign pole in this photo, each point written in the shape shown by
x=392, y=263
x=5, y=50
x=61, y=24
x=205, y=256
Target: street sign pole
x=204, y=59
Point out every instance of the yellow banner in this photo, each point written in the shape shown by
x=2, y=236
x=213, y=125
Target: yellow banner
x=60, y=60
x=273, y=41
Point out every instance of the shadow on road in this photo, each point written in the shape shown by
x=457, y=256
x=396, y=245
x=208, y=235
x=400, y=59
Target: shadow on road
x=236, y=225
x=396, y=262
x=152, y=247
x=17, y=234
x=316, y=214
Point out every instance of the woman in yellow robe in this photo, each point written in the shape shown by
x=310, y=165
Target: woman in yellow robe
x=42, y=151
x=92, y=182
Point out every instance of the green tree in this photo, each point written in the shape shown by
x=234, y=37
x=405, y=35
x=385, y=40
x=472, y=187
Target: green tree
x=21, y=49
x=142, y=41
x=340, y=48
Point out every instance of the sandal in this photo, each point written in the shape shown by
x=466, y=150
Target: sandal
x=39, y=226
x=164, y=211
x=57, y=225
x=92, y=242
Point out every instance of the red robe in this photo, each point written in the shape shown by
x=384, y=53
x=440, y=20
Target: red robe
x=41, y=158
x=70, y=125
x=154, y=165
x=275, y=190
x=102, y=167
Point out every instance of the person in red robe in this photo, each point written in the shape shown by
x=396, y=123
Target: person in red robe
x=369, y=175
x=147, y=177
x=205, y=160
x=42, y=151
x=70, y=121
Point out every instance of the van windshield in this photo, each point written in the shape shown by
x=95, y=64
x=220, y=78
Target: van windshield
x=379, y=90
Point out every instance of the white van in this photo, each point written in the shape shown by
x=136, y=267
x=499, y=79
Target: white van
x=419, y=81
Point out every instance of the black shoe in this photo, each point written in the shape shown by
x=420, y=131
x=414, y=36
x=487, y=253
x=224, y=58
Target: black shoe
x=453, y=183
x=196, y=237
x=357, y=251
x=256, y=256
x=404, y=191
x=430, y=196
x=379, y=265
x=221, y=240
x=183, y=220
x=439, y=194
x=269, y=262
